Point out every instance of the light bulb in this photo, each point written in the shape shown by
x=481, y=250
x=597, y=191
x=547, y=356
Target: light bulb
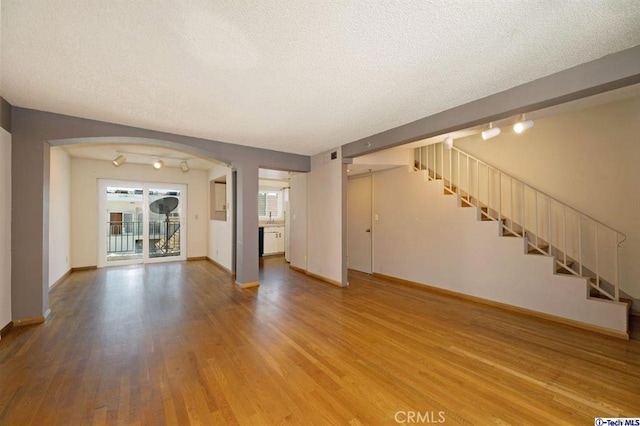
x=521, y=126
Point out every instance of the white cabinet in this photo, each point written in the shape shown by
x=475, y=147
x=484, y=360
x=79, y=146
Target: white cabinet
x=274, y=239
x=270, y=241
x=280, y=239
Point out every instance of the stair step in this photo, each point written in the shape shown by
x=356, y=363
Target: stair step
x=533, y=250
x=450, y=191
x=508, y=233
x=562, y=269
x=484, y=216
x=595, y=295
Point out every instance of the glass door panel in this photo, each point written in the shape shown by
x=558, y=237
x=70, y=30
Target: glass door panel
x=124, y=226
x=141, y=222
x=165, y=217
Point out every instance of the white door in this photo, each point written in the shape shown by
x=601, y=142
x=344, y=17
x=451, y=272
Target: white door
x=141, y=222
x=359, y=223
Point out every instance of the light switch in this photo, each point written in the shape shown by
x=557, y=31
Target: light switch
x=376, y=217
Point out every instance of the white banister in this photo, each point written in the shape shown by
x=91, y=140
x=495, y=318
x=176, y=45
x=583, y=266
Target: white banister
x=607, y=285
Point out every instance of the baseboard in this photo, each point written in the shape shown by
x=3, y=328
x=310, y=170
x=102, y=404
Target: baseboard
x=325, y=279
x=507, y=307
x=248, y=285
x=62, y=278
x=191, y=259
x=316, y=276
x=297, y=269
x=84, y=268
x=218, y=265
x=6, y=329
x=28, y=321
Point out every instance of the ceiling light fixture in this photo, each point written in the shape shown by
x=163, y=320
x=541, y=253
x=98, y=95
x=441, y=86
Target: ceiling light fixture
x=184, y=166
x=491, y=132
x=522, y=125
x=119, y=160
x=448, y=142
x=158, y=164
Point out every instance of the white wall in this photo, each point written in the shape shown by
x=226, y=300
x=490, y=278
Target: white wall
x=423, y=236
x=587, y=159
x=220, y=242
x=326, y=230
x=298, y=225
x=5, y=228
x=59, y=214
x=84, y=204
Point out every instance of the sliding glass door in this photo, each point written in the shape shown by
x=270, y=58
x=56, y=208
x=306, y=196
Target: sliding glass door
x=140, y=222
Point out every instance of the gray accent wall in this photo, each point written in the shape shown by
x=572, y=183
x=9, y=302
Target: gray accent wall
x=5, y=115
x=247, y=223
x=601, y=75
x=33, y=132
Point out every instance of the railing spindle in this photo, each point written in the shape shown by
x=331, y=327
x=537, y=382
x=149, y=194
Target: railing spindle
x=537, y=230
x=549, y=223
x=500, y=198
x=524, y=217
x=468, y=181
x=511, y=205
x=597, y=259
x=564, y=227
x=442, y=161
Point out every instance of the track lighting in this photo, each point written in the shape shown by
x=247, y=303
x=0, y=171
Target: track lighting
x=522, y=125
x=158, y=164
x=119, y=160
x=491, y=132
x=184, y=166
x=448, y=142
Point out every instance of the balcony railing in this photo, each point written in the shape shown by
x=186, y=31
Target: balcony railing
x=126, y=238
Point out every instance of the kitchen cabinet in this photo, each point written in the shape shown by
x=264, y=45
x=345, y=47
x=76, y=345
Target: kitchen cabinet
x=273, y=240
x=270, y=241
x=281, y=240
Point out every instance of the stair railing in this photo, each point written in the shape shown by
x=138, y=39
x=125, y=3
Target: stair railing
x=581, y=245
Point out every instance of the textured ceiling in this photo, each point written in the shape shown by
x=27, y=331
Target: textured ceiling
x=299, y=76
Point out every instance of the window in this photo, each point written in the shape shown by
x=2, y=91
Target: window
x=269, y=204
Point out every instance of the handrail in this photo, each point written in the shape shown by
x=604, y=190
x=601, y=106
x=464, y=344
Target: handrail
x=422, y=159
x=537, y=190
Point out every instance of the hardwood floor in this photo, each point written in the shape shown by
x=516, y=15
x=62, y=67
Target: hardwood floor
x=179, y=343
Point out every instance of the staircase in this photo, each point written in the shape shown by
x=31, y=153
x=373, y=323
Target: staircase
x=168, y=245
x=580, y=245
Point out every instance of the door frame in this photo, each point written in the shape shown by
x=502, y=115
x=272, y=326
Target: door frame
x=102, y=215
x=368, y=176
